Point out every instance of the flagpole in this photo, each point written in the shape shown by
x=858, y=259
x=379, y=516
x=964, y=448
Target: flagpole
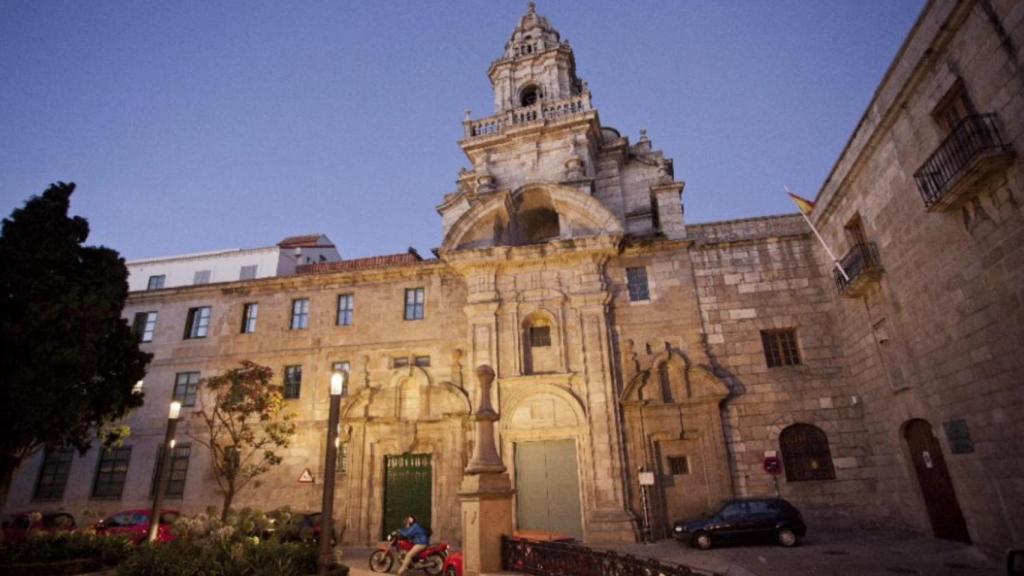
x=822, y=240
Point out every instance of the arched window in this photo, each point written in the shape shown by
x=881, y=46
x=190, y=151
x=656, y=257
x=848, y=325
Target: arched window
x=529, y=95
x=805, y=453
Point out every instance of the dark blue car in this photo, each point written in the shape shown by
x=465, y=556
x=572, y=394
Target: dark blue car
x=744, y=519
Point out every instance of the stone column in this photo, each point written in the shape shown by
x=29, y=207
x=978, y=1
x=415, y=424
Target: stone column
x=486, y=492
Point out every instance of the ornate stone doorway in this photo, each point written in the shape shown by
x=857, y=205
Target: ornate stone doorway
x=548, y=487
x=936, y=485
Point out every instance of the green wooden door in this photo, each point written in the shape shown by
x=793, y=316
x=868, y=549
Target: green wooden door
x=407, y=483
x=548, y=487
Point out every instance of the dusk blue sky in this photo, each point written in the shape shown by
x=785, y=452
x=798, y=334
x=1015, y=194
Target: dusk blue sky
x=194, y=126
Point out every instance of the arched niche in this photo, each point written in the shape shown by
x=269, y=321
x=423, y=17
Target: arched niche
x=542, y=343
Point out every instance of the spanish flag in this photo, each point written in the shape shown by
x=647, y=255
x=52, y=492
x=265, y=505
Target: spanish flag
x=805, y=205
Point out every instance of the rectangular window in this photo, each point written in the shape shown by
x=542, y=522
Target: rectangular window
x=414, y=303
x=421, y=361
x=342, y=459
x=780, y=347
x=678, y=465
x=111, y=473
x=178, y=465
x=201, y=277
x=953, y=108
x=197, y=323
x=346, y=306
x=292, y=381
x=247, y=272
x=540, y=336
x=53, y=476
x=186, y=386
x=400, y=362
x=249, y=314
x=300, y=314
x=144, y=326
x=156, y=282
x=636, y=281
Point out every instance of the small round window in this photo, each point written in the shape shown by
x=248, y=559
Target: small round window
x=529, y=96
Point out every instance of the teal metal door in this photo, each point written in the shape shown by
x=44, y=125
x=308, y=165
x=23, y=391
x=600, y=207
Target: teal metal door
x=407, y=490
x=548, y=487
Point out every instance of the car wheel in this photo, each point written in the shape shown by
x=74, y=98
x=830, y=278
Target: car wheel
x=702, y=540
x=786, y=537
x=381, y=561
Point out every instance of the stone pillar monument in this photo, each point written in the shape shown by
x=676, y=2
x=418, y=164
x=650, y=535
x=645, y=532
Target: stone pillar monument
x=486, y=492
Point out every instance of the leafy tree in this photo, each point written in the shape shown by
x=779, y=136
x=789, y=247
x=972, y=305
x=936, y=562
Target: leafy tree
x=244, y=426
x=67, y=359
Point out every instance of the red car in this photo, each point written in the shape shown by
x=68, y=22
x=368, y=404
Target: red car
x=134, y=525
x=18, y=527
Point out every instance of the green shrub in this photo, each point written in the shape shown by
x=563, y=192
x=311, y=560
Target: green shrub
x=45, y=547
x=224, y=557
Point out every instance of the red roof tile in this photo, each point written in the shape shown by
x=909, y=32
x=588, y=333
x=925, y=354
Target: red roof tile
x=307, y=241
x=371, y=263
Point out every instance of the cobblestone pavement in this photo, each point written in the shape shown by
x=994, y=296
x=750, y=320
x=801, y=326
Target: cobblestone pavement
x=834, y=553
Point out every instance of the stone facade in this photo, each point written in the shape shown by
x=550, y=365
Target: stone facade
x=648, y=343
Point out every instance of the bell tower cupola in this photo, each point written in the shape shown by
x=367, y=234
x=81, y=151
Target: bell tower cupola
x=537, y=66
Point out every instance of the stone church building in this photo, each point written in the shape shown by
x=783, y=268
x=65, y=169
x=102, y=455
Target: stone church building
x=627, y=341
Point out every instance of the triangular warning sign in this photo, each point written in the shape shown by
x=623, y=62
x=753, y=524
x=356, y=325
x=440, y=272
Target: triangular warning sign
x=306, y=477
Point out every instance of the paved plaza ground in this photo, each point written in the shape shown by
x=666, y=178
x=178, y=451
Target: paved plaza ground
x=822, y=553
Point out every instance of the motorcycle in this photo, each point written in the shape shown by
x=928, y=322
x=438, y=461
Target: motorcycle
x=430, y=560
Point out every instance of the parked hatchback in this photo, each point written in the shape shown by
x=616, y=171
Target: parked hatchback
x=134, y=525
x=744, y=519
x=18, y=527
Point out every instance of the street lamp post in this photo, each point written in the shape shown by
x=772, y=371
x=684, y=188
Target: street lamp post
x=325, y=560
x=165, y=470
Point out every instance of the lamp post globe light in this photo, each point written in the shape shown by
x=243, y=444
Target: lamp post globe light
x=165, y=470
x=325, y=559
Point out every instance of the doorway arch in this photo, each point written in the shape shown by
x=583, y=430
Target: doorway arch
x=936, y=484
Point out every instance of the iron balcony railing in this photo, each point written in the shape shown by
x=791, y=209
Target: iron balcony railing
x=565, y=559
x=861, y=265
x=975, y=136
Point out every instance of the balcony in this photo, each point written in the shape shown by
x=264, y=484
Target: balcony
x=537, y=113
x=973, y=151
x=862, y=266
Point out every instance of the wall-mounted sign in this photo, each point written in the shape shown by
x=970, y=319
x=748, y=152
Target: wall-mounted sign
x=646, y=478
x=306, y=477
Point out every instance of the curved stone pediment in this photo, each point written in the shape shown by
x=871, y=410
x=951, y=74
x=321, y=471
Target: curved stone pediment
x=409, y=395
x=532, y=214
x=671, y=379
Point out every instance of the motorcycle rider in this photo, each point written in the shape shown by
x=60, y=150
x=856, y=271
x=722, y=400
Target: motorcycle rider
x=419, y=538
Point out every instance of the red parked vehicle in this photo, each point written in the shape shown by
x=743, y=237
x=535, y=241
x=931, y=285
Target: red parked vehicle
x=430, y=560
x=18, y=527
x=134, y=525
x=452, y=564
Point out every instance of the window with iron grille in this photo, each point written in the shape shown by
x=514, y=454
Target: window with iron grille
x=421, y=361
x=53, y=476
x=540, y=336
x=144, y=326
x=156, y=282
x=341, y=467
x=780, y=347
x=678, y=465
x=805, y=453
x=292, y=381
x=250, y=313
x=247, y=272
x=300, y=314
x=178, y=464
x=346, y=308
x=197, y=323
x=186, y=387
x=111, y=473
x=399, y=361
x=636, y=281
x=414, y=298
